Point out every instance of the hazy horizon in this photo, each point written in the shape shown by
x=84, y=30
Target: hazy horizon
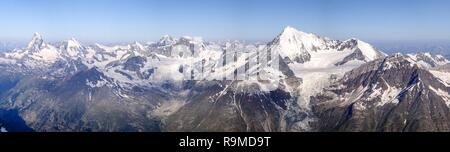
x=390, y=47
x=251, y=20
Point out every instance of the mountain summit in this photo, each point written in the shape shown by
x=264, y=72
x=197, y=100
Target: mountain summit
x=299, y=47
x=36, y=42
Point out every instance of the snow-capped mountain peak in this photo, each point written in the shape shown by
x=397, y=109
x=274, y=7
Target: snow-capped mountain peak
x=370, y=52
x=291, y=30
x=300, y=47
x=292, y=36
x=190, y=40
x=72, y=48
x=166, y=40
x=296, y=45
x=137, y=46
x=73, y=43
x=36, y=42
x=428, y=60
x=36, y=53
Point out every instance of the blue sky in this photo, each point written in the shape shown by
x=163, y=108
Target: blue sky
x=260, y=20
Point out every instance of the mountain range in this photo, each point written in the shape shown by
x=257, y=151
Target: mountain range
x=297, y=82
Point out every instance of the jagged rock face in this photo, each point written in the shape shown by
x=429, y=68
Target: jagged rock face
x=357, y=55
x=36, y=42
x=134, y=63
x=218, y=107
x=391, y=94
x=302, y=58
x=231, y=106
x=72, y=105
x=349, y=44
x=428, y=60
